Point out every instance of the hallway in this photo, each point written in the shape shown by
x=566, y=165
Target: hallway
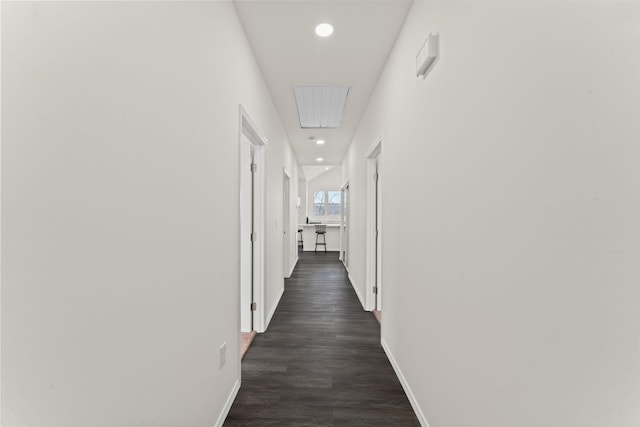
x=320, y=363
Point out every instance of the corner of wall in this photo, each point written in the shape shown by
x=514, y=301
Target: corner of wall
x=227, y=405
x=405, y=385
x=273, y=309
x=357, y=291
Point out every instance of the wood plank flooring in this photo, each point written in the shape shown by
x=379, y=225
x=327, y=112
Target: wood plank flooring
x=320, y=363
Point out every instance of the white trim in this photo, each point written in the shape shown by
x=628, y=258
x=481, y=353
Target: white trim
x=375, y=149
x=227, y=405
x=261, y=231
x=244, y=183
x=405, y=385
x=374, y=152
x=288, y=236
x=251, y=131
x=274, y=308
x=295, y=262
x=0, y=237
x=355, y=288
x=342, y=236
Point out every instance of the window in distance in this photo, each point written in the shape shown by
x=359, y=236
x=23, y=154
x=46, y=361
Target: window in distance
x=319, y=203
x=326, y=204
x=333, y=203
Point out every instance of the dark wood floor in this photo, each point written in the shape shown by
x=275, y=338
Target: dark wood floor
x=320, y=363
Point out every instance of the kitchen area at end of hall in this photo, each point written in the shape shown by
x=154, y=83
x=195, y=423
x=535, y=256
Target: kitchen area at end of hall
x=319, y=203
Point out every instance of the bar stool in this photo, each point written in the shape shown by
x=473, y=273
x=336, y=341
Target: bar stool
x=301, y=241
x=321, y=230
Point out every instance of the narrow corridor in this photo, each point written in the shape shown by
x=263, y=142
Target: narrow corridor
x=320, y=363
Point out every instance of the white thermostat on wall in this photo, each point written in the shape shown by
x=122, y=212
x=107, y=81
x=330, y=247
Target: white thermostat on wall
x=427, y=55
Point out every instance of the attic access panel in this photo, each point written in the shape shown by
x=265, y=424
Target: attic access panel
x=321, y=106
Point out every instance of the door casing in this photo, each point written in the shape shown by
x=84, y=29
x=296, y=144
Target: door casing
x=250, y=133
x=373, y=274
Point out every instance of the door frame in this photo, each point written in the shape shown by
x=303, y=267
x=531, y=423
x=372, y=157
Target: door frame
x=372, y=268
x=286, y=224
x=249, y=129
x=246, y=228
x=345, y=196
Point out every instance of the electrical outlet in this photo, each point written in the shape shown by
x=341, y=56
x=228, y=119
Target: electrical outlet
x=223, y=354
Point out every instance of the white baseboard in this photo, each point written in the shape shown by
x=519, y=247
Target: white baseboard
x=412, y=399
x=228, y=403
x=293, y=267
x=273, y=309
x=355, y=288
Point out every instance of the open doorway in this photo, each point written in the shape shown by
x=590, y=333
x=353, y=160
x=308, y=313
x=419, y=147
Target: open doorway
x=374, y=229
x=251, y=231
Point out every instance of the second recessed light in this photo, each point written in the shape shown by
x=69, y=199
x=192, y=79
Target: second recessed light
x=324, y=29
x=319, y=159
x=320, y=141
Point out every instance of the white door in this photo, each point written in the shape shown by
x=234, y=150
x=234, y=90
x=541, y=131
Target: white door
x=374, y=227
x=246, y=235
x=378, y=239
x=344, y=244
x=252, y=162
x=286, y=225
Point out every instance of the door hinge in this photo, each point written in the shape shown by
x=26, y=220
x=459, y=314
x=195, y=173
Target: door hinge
x=375, y=176
x=377, y=233
x=375, y=290
x=254, y=237
x=254, y=306
x=254, y=167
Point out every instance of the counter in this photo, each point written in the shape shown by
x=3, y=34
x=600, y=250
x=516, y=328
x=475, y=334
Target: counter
x=309, y=236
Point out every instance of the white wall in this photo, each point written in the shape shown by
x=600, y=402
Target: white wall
x=511, y=213
x=302, y=193
x=354, y=171
x=274, y=270
x=120, y=210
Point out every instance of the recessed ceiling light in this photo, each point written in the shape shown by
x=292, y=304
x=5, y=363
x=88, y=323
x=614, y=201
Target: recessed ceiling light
x=327, y=168
x=324, y=29
x=319, y=159
x=320, y=141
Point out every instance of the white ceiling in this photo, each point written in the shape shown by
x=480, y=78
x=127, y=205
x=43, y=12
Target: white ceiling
x=289, y=53
x=313, y=171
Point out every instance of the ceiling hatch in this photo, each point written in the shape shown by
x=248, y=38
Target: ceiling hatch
x=321, y=106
